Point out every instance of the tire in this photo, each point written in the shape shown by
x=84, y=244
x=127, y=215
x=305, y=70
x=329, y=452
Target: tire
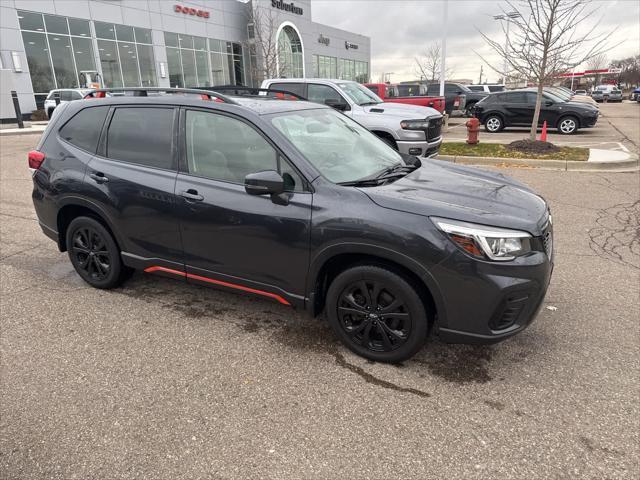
x=493, y=124
x=389, y=141
x=94, y=254
x=568, y=125
x=358, y=302
x=49, y=113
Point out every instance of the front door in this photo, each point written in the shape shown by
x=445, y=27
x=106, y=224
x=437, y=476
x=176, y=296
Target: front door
x=231, y=238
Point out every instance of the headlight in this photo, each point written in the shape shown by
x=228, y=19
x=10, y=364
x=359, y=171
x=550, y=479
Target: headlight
x=485, y=242
x=414, y=124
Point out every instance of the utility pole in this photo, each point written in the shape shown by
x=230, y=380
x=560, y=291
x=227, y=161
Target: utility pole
x=480, y=81
x=444, y=47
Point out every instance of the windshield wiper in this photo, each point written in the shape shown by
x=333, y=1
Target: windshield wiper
x=372, y=182
x=397, y=168
x=366, y=104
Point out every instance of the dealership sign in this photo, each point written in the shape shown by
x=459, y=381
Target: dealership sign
x=324, y=40
x=191, y=11
x=349, y=45
x=287, y=7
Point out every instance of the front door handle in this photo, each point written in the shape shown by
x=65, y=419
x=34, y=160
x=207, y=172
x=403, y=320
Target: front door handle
x=191, y=195
x=99, y=177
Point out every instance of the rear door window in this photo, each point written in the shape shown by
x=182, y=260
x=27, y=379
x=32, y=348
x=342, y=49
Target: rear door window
x=83, y=130
x=496, y=88
x=142, y=135
x=66, y=96
x=374, y=89
x=516, y=97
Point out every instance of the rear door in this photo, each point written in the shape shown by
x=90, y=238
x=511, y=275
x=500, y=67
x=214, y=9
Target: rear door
x=232, y=238
x=132, y=180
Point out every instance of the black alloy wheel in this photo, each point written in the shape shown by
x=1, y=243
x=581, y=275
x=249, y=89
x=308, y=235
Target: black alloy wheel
x=377, y=314
x=94, y=253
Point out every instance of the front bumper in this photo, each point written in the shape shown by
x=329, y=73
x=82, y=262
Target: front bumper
x=487, y=302
x=427, y=149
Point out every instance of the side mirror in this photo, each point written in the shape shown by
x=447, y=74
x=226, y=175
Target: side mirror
x=548, y=103
x=337, y=104
x=267, y=182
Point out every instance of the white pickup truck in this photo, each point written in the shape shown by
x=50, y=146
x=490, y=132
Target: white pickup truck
x=410, y=129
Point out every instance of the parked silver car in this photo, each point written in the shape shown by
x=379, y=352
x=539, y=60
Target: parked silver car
x=613, y=95
x=410, y=129
x=66, y=95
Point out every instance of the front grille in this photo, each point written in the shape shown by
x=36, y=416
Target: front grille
x=434, y=129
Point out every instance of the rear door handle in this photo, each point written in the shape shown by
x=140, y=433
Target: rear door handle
x=99, y=177
x=191, y=195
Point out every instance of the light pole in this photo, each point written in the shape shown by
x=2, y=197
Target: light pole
x=444, y=47
x=506, y=16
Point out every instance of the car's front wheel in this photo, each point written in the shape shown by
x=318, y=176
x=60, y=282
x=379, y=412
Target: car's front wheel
x=493, y=124
x=568, y=125
x=94, y=253
x=377, y=314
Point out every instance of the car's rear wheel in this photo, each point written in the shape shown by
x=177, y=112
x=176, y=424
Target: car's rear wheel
x=493, y=124
x=94, y=253
x=568, y=125
x=377, y=314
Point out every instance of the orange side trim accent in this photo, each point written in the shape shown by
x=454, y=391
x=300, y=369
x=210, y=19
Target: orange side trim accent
x=217, y=282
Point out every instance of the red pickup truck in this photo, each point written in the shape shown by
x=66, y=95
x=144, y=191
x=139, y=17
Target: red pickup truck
x=412, y=94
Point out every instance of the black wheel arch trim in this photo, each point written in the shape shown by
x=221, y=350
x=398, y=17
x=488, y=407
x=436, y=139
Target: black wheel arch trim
x=72, y=200
x=323, y=256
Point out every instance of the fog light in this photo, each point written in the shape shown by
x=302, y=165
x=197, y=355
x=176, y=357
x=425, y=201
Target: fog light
x=415, y=151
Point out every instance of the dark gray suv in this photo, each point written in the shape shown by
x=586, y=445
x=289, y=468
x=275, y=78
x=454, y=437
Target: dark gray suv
x=295, y=202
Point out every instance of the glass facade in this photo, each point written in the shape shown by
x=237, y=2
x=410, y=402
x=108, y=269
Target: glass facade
x=353, y=70
x=126, y=55
x=58, y=50
x=325, y=67
x=290, y=61
x=200, y=62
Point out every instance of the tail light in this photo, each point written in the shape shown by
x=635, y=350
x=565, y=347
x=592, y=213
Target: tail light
x=35, y=159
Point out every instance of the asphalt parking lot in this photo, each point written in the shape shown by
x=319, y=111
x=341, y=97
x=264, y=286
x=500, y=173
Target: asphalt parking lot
x=618, y=128
x=163, y=380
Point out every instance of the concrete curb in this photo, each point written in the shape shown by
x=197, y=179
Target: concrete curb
x=6, y=132
x=629, y=165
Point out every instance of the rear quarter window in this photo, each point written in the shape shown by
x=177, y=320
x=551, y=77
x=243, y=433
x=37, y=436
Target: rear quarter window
x=143, y=136
x=83, y=129
x=297, y=88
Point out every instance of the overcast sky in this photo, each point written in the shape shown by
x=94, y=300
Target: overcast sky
x=401, y=28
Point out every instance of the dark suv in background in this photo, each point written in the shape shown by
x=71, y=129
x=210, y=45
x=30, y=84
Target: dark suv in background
x=516, y=108
x=295, y=202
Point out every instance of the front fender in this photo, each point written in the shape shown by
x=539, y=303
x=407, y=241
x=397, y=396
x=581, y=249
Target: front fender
x=326, y=253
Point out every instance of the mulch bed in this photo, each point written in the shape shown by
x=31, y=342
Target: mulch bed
x=533, y=146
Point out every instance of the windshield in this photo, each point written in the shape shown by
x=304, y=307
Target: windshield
x=555, y=97
x=338, y=147
x=359, y=94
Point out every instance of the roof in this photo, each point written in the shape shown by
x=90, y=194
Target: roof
x=266, y=105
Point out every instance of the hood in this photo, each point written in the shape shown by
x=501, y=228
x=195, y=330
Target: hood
x=463, y=193
x=402, y=110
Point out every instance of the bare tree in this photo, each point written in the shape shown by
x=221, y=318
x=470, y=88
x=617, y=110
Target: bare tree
x=547, y=38
x=262, y=44
x=428, y=64
x=597, y=62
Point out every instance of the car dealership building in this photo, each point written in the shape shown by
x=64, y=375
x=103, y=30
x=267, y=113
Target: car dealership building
x=48, y=44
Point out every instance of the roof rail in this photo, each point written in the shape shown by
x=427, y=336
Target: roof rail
x=144, y=91
x=253, y=91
